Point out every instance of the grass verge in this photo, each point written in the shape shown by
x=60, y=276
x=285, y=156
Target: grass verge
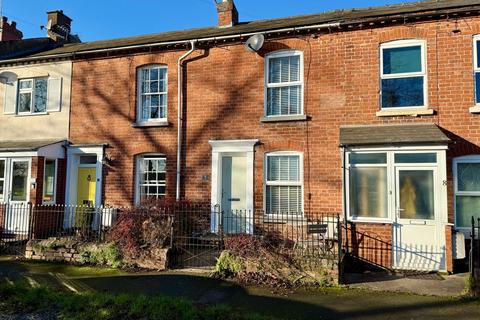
x=20, y=299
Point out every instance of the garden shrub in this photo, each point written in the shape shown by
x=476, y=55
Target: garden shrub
x=228, y=265
x=103, y=254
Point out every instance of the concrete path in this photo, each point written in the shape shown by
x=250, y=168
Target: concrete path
x=422, y=284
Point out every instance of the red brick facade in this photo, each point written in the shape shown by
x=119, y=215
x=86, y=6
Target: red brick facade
x=224, y=99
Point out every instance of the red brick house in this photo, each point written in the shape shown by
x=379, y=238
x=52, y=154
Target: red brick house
x=370, y=113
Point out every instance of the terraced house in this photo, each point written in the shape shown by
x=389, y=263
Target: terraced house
x=34, y=121
x=371, y=113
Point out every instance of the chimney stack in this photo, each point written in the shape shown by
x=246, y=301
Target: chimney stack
x=9, y=31
x=227, y=13
x=59, y=26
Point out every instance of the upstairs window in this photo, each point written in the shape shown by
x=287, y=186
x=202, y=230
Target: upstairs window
x=403, y=74
x=284, y=183
x=284, y=84
x=2, y=180
x=476, y=67
x=152, y=98
x=32, y=96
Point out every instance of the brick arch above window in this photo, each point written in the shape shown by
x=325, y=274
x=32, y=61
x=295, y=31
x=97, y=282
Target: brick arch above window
x=402, y=33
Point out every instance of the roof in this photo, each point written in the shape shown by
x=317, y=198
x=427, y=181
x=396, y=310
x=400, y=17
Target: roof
x=21, y=48
x=27, y=145
x=338, y=16
x=392, y=134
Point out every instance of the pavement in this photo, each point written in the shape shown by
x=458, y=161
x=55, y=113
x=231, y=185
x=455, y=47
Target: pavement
x=431, y=284
x=324, y=303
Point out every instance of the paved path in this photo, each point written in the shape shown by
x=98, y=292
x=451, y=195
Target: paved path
x=422, y=284
x=335, y=303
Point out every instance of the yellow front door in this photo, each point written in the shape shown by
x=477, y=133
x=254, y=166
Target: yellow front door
x=86, y=186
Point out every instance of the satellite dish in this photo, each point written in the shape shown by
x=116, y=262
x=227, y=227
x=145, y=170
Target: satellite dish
x=255, y=43
x=8, y=77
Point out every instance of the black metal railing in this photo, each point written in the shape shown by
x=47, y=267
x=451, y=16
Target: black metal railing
x=197, y=232
x=475, y=256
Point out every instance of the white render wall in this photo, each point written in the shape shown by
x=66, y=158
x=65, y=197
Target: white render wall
x=51, y=126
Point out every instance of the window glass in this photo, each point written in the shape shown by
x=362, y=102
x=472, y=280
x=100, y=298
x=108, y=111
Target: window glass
x=416, y=194
x=402, y=60
x=468, y=177
x=88, y=159
x=477, y=87
x=40, y=104
x=153, y=93
x=283, y=185
x=368, y=158
x=284, y=88
x=466, y=208
x=415, y=158
x=19, y=180
x=402, y=92
x=49, y=181
x=152, y=175
x=25, y=101
x=368, y=192
x=478, y=54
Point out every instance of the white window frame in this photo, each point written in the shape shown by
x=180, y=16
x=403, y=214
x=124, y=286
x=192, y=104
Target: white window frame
x=456, y=192
x=281, y=54
x=138, y=173
x=140, y=118
x=279, y=183
x=476, y=68
x=54, y=182
x=4, y=179
x=423, y=73
x=32, y=100
x=391, y=177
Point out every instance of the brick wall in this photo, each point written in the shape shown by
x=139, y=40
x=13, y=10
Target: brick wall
x=225, y=100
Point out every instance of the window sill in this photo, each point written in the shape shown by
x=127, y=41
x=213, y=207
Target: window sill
x=283, y=219
x=370, y=221
x=474, y=109
x=147, y=124
x=300, y=117
x=412, y=112
x=31, y=114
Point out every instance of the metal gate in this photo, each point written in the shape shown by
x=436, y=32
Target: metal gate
x=194, y=244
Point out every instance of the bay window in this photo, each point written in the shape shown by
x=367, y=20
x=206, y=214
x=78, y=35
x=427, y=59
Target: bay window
x=284, y=183
x=284, y=84
x=467, y=190
x=403, y=74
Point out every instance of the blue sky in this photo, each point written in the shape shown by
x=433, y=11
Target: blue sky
x=106, y=19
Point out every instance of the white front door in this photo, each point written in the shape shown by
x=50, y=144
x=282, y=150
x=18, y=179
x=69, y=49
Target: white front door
x=18, y=196
x=418, y=239
x=234, y=192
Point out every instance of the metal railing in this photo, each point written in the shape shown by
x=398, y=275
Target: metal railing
x=475, y=256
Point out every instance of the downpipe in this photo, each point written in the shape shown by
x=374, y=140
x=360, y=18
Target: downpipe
x=179, y=117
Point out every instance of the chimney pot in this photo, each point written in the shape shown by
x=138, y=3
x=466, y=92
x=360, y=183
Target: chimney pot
x=227, y=13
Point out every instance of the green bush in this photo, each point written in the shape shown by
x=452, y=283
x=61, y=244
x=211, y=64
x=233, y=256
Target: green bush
x=103, y=254
x=20, y=299
x=228, y=265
